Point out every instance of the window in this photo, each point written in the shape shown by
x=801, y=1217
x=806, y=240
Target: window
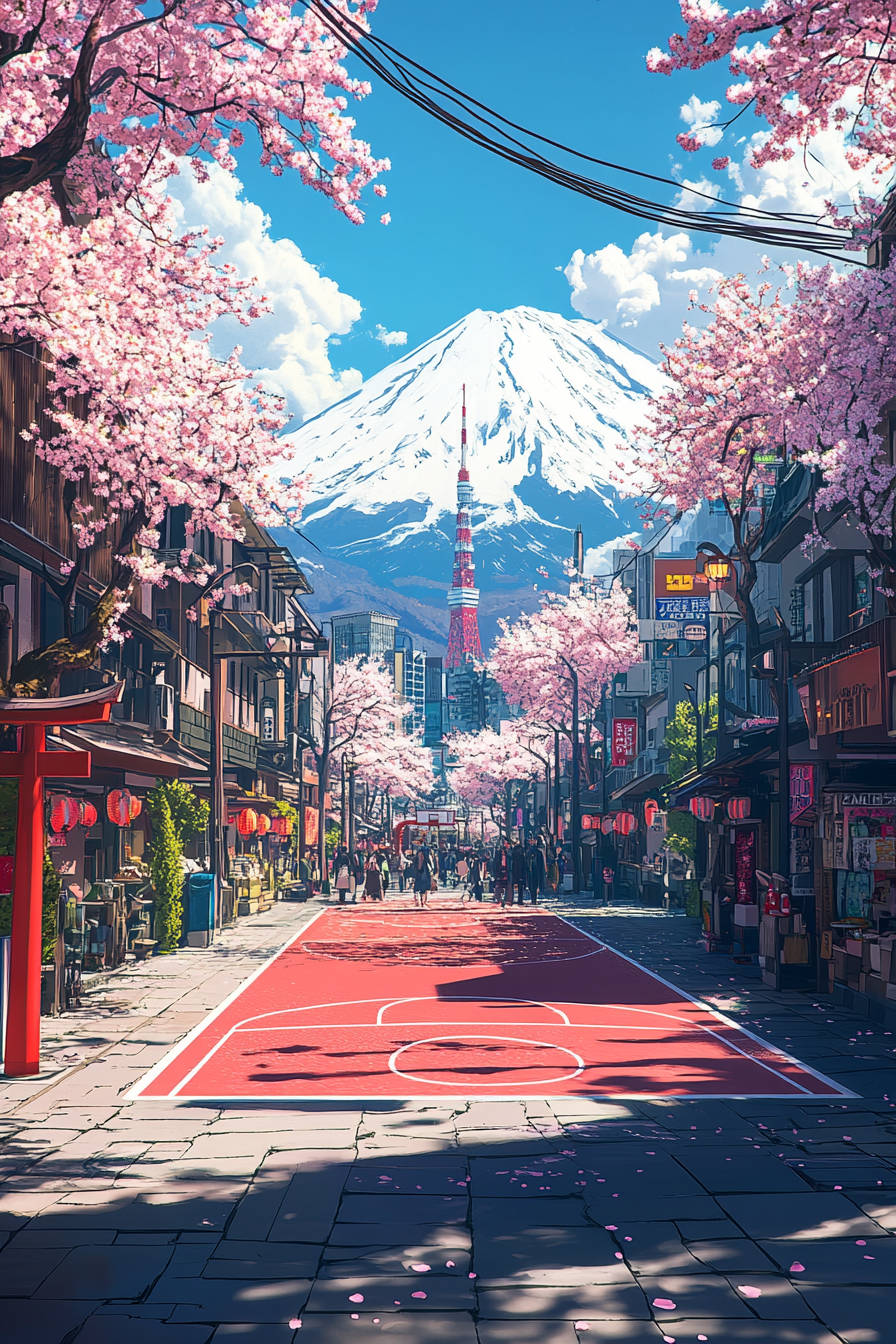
x=163, y=620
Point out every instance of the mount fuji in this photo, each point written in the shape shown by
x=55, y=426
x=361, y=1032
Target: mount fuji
x=551, y=402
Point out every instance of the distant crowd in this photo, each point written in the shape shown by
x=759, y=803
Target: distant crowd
x=507, y=872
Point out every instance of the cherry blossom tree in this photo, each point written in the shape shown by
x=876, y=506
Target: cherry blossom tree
x=803, y=65
x=558, y=661
x=360, y=715
x=490, y=763
x=98, y=107
x=184, y=79
x=769, y=381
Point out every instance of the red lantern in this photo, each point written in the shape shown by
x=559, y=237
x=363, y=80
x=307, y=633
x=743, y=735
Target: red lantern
x=703, y=808
x=624, y=823
x=738, y=808
x=63, y=813
x=282, y=826
x=118, y=807
x=135, y=807
x=264, y=824
x=651, y=807
x=87, y=815
x=247, y=821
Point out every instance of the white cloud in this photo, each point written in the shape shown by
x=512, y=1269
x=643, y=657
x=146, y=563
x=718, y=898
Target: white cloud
x=643, y=295
x=390, y=337
x=289, y=349
x=599, y=559
x=700, y=118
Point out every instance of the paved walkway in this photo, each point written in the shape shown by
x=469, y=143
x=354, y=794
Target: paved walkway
x=478, y=1223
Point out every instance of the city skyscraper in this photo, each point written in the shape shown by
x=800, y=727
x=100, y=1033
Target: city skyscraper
x=463, y=598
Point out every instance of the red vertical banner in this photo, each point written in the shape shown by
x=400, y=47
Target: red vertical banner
x=745, y=866
x=312, y=834
x=624, y=742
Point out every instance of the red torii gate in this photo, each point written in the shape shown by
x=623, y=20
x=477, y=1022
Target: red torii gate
x=32, y=763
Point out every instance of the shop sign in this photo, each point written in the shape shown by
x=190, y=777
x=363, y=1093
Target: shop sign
x=312, y=833
x=5, y=874
x=625, y=742
x=846, y=694
x=745, y=866
x=869, y=799
x=802, y=789
x=55, y=841
x=695, y=633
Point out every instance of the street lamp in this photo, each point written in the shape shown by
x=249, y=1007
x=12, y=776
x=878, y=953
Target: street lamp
x=692, y=696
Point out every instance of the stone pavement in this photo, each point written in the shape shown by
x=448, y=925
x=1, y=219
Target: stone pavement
x=482, y=1222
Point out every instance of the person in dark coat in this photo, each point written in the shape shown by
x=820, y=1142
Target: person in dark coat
x=373, y=880
x=536, y=870
x=517, y=873
x=501, y=874
x=421, y=872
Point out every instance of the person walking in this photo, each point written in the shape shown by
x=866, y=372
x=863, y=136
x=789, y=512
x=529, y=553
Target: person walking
x=342, y=869
x=517, y=873
x=462, y=871
x=553, y=872
x=501, y=873
x=422, y=877
x=373, y=880
x=478, y=869
x=536, y=870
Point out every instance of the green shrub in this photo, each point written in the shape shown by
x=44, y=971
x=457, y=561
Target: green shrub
x=178, y=814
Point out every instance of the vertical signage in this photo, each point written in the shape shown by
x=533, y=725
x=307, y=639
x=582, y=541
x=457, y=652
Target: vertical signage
x=745, y=866
x=802, y=790
x=312, y=835
x=624, y=742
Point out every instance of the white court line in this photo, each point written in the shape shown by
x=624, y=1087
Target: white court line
x=191, y=1036
x=464, y=998
x=461, y=1036
x=682, y=993
x=138, y=1089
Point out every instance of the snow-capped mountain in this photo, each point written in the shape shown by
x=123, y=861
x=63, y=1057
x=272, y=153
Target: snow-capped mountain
x=550, y=403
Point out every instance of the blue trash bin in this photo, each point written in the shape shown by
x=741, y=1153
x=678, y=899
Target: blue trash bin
x=200, y=909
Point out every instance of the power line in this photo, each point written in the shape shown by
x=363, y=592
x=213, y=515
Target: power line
x=482, y=125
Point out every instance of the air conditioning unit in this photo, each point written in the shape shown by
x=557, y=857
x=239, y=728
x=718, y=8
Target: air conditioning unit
x=163, y=707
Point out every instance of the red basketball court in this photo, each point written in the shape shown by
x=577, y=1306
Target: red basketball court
x=389, y=1001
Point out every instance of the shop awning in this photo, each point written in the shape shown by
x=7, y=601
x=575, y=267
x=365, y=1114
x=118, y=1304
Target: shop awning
x=114, y=747
x=637, y=787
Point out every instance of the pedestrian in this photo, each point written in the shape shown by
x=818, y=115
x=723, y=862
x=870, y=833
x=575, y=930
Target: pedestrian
x=422, y=877
x=385, y=871
x=517, y=873
x=373, y=880
x=343, y=873
x=536, y=870
x=478, y=869
x=553, y=872
x=462, y=871
x=501, y=873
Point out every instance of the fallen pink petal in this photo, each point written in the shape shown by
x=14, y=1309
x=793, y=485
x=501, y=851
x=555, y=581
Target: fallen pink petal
x=748, y=1290
x=664, y=1303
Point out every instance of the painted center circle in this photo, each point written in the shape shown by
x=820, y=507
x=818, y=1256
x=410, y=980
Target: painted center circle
x=474, y=1060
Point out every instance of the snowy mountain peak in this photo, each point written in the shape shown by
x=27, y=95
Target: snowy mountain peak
x=549, y=400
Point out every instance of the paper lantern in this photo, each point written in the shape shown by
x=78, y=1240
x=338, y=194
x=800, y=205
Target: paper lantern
x=118, y=807
x=703, y=808
x=651, y=807
x=86, y=814
x=264, y=823
x=135, y=807
x=624, y=823
x=63, y=813
x=247, y=821
x=282, y=826
x=738, y=808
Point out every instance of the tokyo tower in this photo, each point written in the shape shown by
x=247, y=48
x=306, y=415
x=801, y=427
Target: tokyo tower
x=463, y=599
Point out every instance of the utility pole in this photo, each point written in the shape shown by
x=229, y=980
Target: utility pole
x=575, y=786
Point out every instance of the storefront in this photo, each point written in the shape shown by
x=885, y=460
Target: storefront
x=857, y=897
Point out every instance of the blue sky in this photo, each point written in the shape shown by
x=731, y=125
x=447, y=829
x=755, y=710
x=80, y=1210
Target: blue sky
x=470, y=231
x=467, y=229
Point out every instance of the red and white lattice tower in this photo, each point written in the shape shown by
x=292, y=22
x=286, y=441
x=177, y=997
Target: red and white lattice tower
x=463, y=599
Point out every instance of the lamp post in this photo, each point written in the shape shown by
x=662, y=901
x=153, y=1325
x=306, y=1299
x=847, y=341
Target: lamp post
x=692, y=696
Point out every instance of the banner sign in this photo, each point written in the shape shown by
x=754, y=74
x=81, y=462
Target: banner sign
x=5, y=874
x=745, y=866
x=312, y=833
x=625, y=742
x=802, y=790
